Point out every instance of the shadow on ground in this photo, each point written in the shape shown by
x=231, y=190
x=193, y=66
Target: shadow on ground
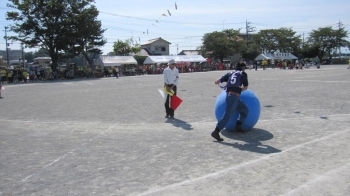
x=179, y=123
x=250, y=140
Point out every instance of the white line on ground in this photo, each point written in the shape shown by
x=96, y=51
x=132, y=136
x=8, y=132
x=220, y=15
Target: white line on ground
x=323, y=177
x=320, y=81
x=25, y=179
x=82, y=122
x=59, y=158
x=191, y=181
x=311, y=117
x=63, y=156
x=48, y=122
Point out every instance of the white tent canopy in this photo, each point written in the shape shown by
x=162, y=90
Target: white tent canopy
x=155, y=59
x=263, y=56
x=191, y=58
x=275, y=56
x=177, y=58
x=105, y=60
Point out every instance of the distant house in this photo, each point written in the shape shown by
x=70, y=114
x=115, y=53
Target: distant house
x=189, y=52
x=156, y=46
x=42, y=61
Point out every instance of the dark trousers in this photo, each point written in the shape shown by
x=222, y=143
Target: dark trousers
x=233, y=103
x=169, y=111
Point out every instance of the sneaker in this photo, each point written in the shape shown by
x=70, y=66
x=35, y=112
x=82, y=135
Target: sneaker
x=215, y=134
x=167, y=116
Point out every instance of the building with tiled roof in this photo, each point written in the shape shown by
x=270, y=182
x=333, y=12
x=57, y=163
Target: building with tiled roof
x=157, y=46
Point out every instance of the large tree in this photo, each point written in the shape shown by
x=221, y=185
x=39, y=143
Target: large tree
x=87, y=34
x=277, y=40
x=328, y=40
x=222, y=44
x=57, y=26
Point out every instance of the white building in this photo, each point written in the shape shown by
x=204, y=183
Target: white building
x=157, y=46
x=42, y=61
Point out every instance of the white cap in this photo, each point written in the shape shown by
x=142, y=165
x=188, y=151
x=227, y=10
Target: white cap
x=171, y=61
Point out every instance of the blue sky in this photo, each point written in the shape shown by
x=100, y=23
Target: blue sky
x=188, y=23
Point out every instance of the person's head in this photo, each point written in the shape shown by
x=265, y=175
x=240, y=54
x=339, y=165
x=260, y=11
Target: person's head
x=171, y=63
x=240, y=66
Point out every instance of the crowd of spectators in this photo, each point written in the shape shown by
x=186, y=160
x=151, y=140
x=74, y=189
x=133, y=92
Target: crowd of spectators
x=32, y=74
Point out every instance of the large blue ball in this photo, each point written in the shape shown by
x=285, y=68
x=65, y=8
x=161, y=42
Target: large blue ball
x=252, y=102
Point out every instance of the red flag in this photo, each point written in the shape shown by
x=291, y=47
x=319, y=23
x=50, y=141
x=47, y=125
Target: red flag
x=175, y=102
x=175, y=6
x=169, y=13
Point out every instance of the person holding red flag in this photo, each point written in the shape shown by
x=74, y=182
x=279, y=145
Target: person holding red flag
x=171, y=79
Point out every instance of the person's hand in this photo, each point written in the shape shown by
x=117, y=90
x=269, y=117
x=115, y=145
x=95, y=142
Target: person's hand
x=216, y=81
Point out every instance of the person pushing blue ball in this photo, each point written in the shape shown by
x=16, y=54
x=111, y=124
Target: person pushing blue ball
x=249, y=98
x=236, y=83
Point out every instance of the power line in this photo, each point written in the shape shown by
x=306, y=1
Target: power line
x=167, y=21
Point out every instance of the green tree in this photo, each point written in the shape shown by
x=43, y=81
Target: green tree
x=56, y=25
x=42, y=52
x=328, y=40
x=222, y=44
x=29, y=56
x=126, y=47
x=310, y=51
x=121, y=48
x=140, y=59
x=252, y=49
x=277, y=40
x=250, y=54
x=135, y=47
x=86, y=33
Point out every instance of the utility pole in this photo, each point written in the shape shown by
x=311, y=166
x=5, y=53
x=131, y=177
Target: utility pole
x=303, y=38
x=340, y=25
x=248, y=29
x=177, y=49
x=22, y=54
x=7, y=51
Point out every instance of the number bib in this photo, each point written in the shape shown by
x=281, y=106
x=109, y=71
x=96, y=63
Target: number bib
x=235, y=79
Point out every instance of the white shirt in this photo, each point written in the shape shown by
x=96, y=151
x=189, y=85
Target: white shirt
x=171, y=76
